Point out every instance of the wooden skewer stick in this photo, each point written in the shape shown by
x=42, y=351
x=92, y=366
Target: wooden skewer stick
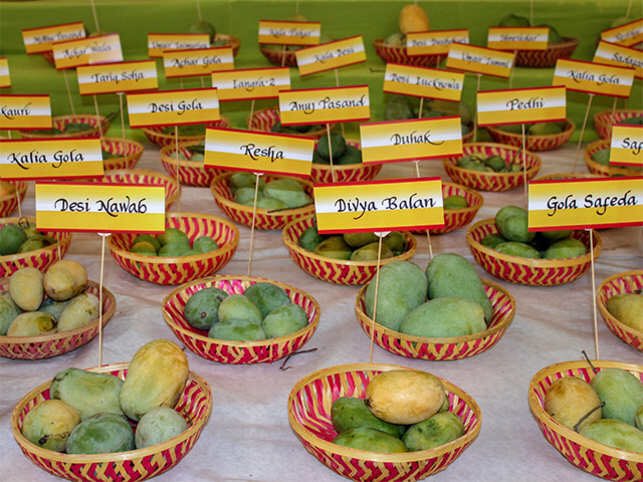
x=591, y=257
x=252, y=224
x=199, y=14
x=178, y=163
x=417, y=174
x=16, y=190
x=98, y=122
x=252, y=112
x=283, y=55
x=95, y=14
x=100, y=298
x=330, y=153
x=524, y=161
x=69, y=97
x=475, y=117
x=582, y=132
x=122, y=109
x=337, y=85
x=380, y=236
x=614, y=105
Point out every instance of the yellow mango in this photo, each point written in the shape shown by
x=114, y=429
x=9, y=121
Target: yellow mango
x=25, y=288
x=65, y=279
x=413, y=18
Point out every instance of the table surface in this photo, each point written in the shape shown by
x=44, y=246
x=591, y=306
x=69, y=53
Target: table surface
x=248, y=436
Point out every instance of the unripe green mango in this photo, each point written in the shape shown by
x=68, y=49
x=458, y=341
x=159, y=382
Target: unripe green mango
x=267, y=297
x=81, y=311
x=513, y=248
x=395, y=241
x=238, y=307
x=201, y=310
x=638, y=421
x=8, y=312
x=454, y=202
x=621, y=391
x=53, y=307
x=32, y=323
x=334, y=247
x=49, y=424
x=445, y=317
x=628, y=309
x=11, y=237
x=371, y=440
x=157, y=426
x=357, y=240
x=288, y=191
x=511, y=222
x=101, y=434
x=270, y=204
x=348, y=413
x=310, y=238
x=204, y=244
x=438, y=430
x=246, y=195
x=565, y=248
x=615, y=433
x=284, y=320
x=237, y=330
x=492, y=240
x=369, y=252
x=26, y=288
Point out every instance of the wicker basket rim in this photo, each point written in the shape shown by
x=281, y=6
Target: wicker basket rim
x=569, y=128
x=211, y=281
x=156, y=131
x=479, y=198
x=64, y=239
x=597, y=145
x=115, y=456
x=117, y=140
x=566, y=175
x=406, y=457
x=602, y=307
x=608, y=113
x=20, y=187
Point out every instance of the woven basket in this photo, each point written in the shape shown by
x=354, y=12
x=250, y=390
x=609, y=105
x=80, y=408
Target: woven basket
x=39, y=258
x=9, y=202
x=126, y=153
x=232, y=41
x=174, y=271
x=442, y=349
x=309, y=406
x=237, y=352
x=603, y=121
x=548, y=142
x=527, y=271
x=62, y=120
x=191, y=173
x=586, y=454
x=264, y=219
x=602, y=170
x=323, y=173
x=398, y=55
x=619, y=284
x=143, y=176
x=195, y=404
x=548, y=57
x=160, y=138
x=276, y=56
x=263, y=120
x=47, y=346
x=343, y=272
x=563, y=176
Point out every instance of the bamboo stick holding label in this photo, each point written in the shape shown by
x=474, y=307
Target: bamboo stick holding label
x=417, y=174
x=579, y=144
x=380, y=236
x=70, y=98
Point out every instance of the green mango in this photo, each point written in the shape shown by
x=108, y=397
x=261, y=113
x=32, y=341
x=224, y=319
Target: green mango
x=49, y=424
x=638, y=422
x=174, y=249
x=544, y=129
x=203, y=26
x=26, y=288
x=173, y=236
x=32, y=244
x=492, y=240
x=245, y=179
x=204, y=244
x=237, y=330
x=496, y=163
x=522, y=250
x=310, y=238
x=455, y=202
x=8, y=312
x=440, y=429
x=144, y=248
x=352, y=155
x=246, y=196
x=11, y=237
x=451, y=275
x=554, y=37
x=149, y=239
x=566, y=248
x=556, y=235
x=621, y=391
x=512, y=20
x=395, y=40
x=395, y=241
x=157, y=426
x=626, y=308
x=267, y=297
x=238, y=307
x=202, y=308
x=334, y=247
x=318, y=159
x=397, y=107
x=74, y=127
x=88, y=392
x=357, y=240
x=337, y=144
x=512, y=128
x=402, y=287
x=81, y=311
x=511, y=222
x=288, y=191
x=32, y=323
x=635, y=121
x=602, y=156
x=369, y=252
x=348, y=413
x=444, y=317
x=284, y=320
x=371, y=440
x=615, y=433
x=101, y=434
x=271, y=204
x=108, y=155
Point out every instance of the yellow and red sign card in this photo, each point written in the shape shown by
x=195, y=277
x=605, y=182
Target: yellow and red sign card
x=613, y=54
x=173, y=107
x=331, y=55
x=626, y=145
x=480, y=60
x=434, y=42
x=102, y=208
x=592, y=78
x=157, y=43
x=91, y=50
x=390, y=205
x=117, y=77
x=246, y=84
x=243, y=150
x=518, y=38
x=324, y=106
x=521, y=106
x=423, y=82
x=395, y=141
x=585, y=203
x=192, y=63
x=5, y=76
x=286, y=32
x=40, y=39
x=628, y=34
x=25, y=111
x=51, y=158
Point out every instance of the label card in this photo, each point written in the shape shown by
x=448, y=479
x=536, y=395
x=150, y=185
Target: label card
x=390, y=205
x=286, y=32
x=518, y=38
x=591, y=78
x=585, y=203
x=629, y=34
x=102, y=208
x=25, y=111
x=5, y=76
x=613, y=54
x=480, y=60
x=423, y=82
x=159, y=42
x=434, y=42
x=521, y=106
x=244, y=150
x=247, y=84
x=192, y=63
x=91, y=50
x=40, y=39
x=626, y=145
x=324, y=106
x=51, y=158
x=117, y=77
x=394, y=141
x=173, y=107
x=331, y=55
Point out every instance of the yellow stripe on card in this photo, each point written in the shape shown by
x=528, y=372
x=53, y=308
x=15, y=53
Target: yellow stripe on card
x=331, y=55
x=434, y=42
x=173, y=107
x=157, y=43
x=612, y=54
x=626, y=145
x=41, y=39
x=520, y=106
x=246, y=84
x=518, y=38
x=629, y=34
x=284, y=32
x=594, y=78
x=188, y=63
x=117, y=77
x=320, y=106
x=480, y=60
x=92, y=50
x=5, y=76
x=25, y=112
x=422, y=82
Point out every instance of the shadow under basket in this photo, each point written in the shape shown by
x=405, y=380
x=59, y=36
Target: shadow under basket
x=534, y=143
x=309, y=414
x=195, y=404
x=620, y=284
x=125, y=153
